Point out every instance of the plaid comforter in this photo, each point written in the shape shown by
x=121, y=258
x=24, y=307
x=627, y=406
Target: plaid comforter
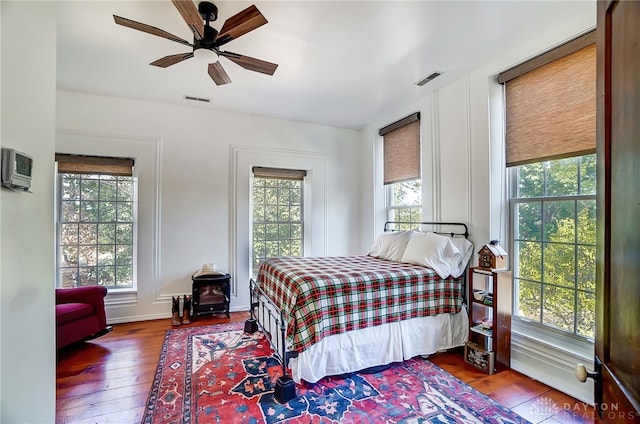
x=321, y=296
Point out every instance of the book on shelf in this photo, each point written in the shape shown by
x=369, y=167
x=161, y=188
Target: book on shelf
x=483, y=329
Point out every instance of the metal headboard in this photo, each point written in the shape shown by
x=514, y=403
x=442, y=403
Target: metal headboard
x=449, y=228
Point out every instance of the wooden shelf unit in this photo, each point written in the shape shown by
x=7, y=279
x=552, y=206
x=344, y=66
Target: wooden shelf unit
x=496, y=342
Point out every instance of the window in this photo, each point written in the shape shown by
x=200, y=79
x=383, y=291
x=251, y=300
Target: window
x=96, y=228
x=404, y=203
x=402, y=172
x=550, y=146
x=277, y=214
x=553, y=207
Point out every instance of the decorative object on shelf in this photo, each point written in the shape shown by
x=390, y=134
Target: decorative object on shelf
x=492, y=256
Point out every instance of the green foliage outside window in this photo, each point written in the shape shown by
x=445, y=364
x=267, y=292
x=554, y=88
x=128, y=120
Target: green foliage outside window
x=277, y=219
x=554, y=242
x=405, y=203
x=95, y=230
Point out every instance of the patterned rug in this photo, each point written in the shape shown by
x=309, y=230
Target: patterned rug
x=219, y=374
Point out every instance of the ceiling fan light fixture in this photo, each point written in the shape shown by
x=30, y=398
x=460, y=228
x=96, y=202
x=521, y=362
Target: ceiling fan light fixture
x=205, y=55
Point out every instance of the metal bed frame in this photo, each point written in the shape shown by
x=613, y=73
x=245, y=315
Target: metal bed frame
x=285, y=389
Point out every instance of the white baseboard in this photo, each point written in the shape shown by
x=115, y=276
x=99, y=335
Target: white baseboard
x=551, y=365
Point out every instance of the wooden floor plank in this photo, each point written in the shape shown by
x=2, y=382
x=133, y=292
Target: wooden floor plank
x=108, y=379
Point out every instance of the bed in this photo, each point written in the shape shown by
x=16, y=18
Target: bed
x=335, y=315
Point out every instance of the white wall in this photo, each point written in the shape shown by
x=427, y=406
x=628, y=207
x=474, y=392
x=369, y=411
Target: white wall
x=189, y=182
x=27, y=329
x=464, y=179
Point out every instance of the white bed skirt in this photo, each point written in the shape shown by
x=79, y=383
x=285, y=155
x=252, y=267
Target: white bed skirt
x=380, y=345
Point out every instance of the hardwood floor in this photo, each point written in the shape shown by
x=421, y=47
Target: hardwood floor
x=107, y=380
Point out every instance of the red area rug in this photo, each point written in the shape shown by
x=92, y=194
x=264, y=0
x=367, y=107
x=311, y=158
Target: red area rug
x=219, y=374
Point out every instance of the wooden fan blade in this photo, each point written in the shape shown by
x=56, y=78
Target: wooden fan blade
x=149, y=30
x=171, y=59
x=218, y=74
x=239, y=24
x=251, y=63
x=191, y=16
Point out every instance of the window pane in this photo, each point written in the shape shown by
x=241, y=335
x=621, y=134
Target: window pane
x=69, y=256
x=283, y=196
x=587, y=268
x=107, y=255
x=283, y=213
x=587, y=222
x=528, y=299
x=559, y=264
x=529, y=256
x=70, y=211
x=270, y=213
x=529, y=224
x=559, y=221
x=124, y=255
x=562, y=177
x=68, y=278
x=271, y=232
x=89, y=188
x=558, y=308
x=108, y=188
x=588, y=174
x=88, y=233
x=295, y=213
x=586, y=319
x=406, y=193
x=125, y=188
x=124, y=233
x=89, y=211
x=272, y=249
x=106, y=233
x=87, y=276
x=125, y=211
x=107, y=211
x=124, y=276
x=88, y=255
x=106, y=276
x=70, y=188
x=68, y=234
x=296, y=231
x=531, y=180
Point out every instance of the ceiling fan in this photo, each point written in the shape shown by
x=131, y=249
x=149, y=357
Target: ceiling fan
x=207, y=40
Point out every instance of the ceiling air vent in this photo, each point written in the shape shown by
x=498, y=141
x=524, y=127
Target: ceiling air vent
x=197, y=99
x=423, y=81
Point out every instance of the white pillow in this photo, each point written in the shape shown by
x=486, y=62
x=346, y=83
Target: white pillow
x=433, y=251
x=466, y=249
x=390, y=246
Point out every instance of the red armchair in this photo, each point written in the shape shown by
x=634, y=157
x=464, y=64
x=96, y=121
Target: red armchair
x=80, y=314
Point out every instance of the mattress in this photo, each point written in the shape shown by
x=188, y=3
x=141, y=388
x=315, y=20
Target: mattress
x=325, y=296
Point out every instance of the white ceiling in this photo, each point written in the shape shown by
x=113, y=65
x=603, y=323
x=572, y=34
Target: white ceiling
x=340, y=63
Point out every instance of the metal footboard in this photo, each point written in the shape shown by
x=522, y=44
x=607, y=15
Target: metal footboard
x=268, y=317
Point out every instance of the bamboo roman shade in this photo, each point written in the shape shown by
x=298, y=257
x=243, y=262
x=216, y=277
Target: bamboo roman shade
x=286, y=174
x=80, y=164
x=551, y=109
x=402, y=149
